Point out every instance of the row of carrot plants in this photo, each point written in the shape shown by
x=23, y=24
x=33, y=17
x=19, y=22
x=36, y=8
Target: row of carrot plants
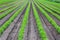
x=9, y=7
x=8, y=22
x=6, y=1
x=53, y=3
x=8, y=4
x=41, y=30
x=56, y=9
x=24, y=23
x=48, y=10
x=54, y=24
x=9, y=11
x=11, y=3
x=1, y=5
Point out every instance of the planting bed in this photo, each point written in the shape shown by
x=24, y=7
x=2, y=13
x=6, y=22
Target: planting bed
x=30, y=20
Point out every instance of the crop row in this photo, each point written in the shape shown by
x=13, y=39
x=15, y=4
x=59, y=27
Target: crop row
x=8, y=4
x=9, y=7
x=24, y=23
x=56, y=9
x=54, y=24
x=11, y=3
x=41, y=30
x=1, y=5
x=6, y=1
x=53, y=3
x=8, y=22
x=50, y=11
x=9, y=11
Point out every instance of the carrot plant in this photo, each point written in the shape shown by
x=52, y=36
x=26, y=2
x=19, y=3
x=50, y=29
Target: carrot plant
x=6, y=1
x=52, y=3
x=9, y=7
x=41, y=30
x=8, y=11
x=8, y=4
x=51, y=7
x=54, y=24
x=8, y=22
x=48, y=10
x=24, y=23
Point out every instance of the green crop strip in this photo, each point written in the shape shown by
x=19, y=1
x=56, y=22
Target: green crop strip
x=9, y=4
x=55, y=8
x=8, y=11
x=54, y=14
x=8, y=7
x=57, y=1
x=6, y=1
x=1, y=6
x=54, y=24
x=24, y=23
x=7, y=23
x=39, y=25
x=54, y=4
x=51, y=7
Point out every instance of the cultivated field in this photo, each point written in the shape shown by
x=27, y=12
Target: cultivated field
x=29, y=20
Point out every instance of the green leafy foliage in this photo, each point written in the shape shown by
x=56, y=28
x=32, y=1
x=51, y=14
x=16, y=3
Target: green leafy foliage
x=39, y=25
x=6, y=1
x=54, y=24
x=24, y=23
x=7, y=23
x=49, y=11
